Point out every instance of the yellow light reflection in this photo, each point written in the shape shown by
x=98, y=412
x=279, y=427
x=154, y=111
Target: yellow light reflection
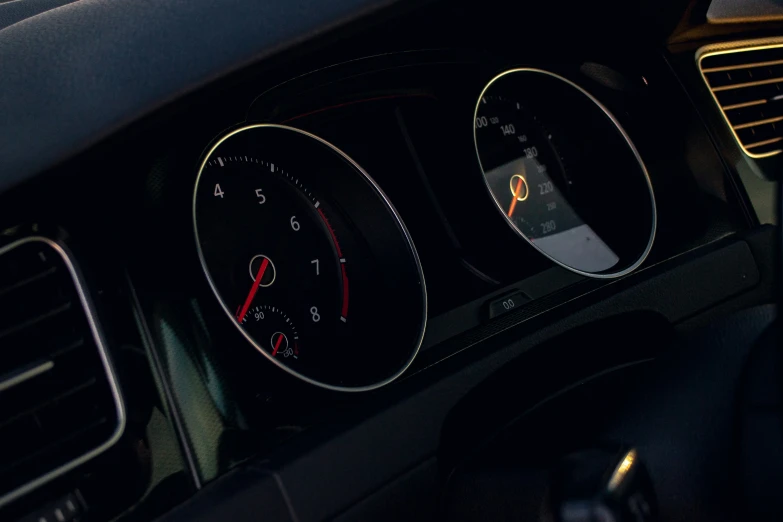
x=622, y=470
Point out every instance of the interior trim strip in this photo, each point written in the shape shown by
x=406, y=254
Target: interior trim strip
x=171, y=408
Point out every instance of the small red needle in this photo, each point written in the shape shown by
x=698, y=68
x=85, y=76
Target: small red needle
x=516, y=195
x=253, y=289
x=277, y=345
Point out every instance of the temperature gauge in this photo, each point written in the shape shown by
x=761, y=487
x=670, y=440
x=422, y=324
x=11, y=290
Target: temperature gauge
x=270, y=322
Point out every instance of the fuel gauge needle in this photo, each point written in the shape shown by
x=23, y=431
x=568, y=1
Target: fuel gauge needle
x=253, y=289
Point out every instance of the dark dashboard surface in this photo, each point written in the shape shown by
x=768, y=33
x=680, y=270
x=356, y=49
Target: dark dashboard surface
x=180, y=45
x=106, y=162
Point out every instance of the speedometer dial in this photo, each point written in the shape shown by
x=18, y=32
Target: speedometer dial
x=527, y=179
x=308, y=258
x=563, y=173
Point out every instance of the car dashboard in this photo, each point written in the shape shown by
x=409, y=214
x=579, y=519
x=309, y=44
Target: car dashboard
x=295, y=275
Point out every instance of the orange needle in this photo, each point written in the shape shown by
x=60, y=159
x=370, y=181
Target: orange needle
x=516, y=195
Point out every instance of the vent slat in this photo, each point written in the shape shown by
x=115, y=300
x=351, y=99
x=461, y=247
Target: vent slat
x=33, y=321
x=755, y=114
x=36, y=341
x=71, y=389
x=9, y=467
x=14, y=268
x=24, y=373
x=761, y=143
x=31, y=279
x=753, y=65
x=68, y=348
x=757, y=123
x=58, y=400
x=731, y=85
x=21, y=437
x=744, y=105
x=748, y=55
x=748, y=87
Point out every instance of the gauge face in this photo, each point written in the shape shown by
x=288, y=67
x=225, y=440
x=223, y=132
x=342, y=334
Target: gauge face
x=528, y=181
x=287, y=257
x=562, y=174
x=308, y=258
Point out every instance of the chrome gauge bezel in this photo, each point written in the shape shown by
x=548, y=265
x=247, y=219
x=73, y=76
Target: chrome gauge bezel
x=389, y=207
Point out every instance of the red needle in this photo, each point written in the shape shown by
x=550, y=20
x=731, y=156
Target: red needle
x=277, y=345
x=253, y=289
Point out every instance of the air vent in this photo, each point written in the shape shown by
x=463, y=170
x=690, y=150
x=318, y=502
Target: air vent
x=747, y=84
x=59, y=401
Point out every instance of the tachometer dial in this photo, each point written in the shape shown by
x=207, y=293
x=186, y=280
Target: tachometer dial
x=305, y=279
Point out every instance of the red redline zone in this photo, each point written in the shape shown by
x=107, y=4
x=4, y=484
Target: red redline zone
x=344, y=311
x=331, y=231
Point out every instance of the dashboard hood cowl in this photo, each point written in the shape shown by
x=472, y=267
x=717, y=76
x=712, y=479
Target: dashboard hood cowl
x=74, y=74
